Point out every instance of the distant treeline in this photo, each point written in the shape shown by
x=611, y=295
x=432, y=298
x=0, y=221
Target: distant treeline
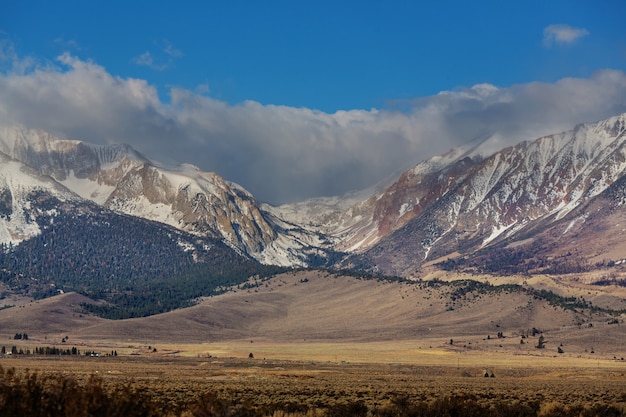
x=47, y=350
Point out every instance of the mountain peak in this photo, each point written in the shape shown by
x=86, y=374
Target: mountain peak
x=109, y=154
x=465, y=200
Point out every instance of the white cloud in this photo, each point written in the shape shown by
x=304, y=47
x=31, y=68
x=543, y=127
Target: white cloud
x=67, y=43
x=562, y=34
x=162, y=59
x=203, y=88
x=144, y=59
x=11, y=62
x=169, y=49
x=283, y=153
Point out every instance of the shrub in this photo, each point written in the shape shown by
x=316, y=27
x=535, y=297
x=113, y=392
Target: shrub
x=31, y=394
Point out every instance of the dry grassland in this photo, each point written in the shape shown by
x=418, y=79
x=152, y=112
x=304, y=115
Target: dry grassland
x=177, y=383
x=325, y=345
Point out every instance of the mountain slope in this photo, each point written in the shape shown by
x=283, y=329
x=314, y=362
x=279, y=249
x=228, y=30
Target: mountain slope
x=476, y=202
x=91, y=171
x=314, y=306
x=120, y=178
x=590, y=237
x=358, y=220
x=20, y=188
x=55, y=241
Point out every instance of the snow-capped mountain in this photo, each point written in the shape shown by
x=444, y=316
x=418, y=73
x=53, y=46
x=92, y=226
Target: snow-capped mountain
x=120, y=178
x=457, y=203
x=91, y=171
x=473, y=202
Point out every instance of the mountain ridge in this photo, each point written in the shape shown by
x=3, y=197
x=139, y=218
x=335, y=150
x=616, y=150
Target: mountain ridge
x=464, y=201
x=478, y=203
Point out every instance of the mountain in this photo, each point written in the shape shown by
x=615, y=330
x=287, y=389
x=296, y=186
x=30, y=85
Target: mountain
x=121, y=179
x=590, y=237
x=54, y=241
x=528, y=201
x=20, y=189
x=357, y=221
x=91, y=171
x=474, y=202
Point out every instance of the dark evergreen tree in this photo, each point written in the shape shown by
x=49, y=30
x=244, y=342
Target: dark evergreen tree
x=139, y=267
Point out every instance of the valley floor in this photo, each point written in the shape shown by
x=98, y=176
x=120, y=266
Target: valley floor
x=318, y=344
x=540, y=385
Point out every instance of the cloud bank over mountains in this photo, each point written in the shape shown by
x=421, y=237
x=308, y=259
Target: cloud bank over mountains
x=281, y=153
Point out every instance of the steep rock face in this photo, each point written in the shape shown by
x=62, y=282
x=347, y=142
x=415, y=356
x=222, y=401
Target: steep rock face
x=92, y=171
x=21, y=188
x=418, y=189
x=204, y=203
x=194, y=201
x=591, y=233
x=472, y=203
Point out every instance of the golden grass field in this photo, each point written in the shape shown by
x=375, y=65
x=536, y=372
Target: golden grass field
x=319, y=340
x=305, y=385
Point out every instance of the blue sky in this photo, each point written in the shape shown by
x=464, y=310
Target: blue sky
x=289, y=89
x=324, y=55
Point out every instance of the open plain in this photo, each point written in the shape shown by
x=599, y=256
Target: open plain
x=316, y=342
x=182, y=385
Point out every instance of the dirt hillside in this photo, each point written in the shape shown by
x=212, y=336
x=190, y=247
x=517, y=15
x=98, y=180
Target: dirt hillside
x=318, y=307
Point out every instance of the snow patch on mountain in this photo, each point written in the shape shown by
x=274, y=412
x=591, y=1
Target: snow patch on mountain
x=88, y=189
x=18, y=216
x=573, y=223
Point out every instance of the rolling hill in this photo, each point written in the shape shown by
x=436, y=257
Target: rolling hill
x=323, y=307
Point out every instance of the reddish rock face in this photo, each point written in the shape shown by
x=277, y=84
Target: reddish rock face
x=471, y=203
